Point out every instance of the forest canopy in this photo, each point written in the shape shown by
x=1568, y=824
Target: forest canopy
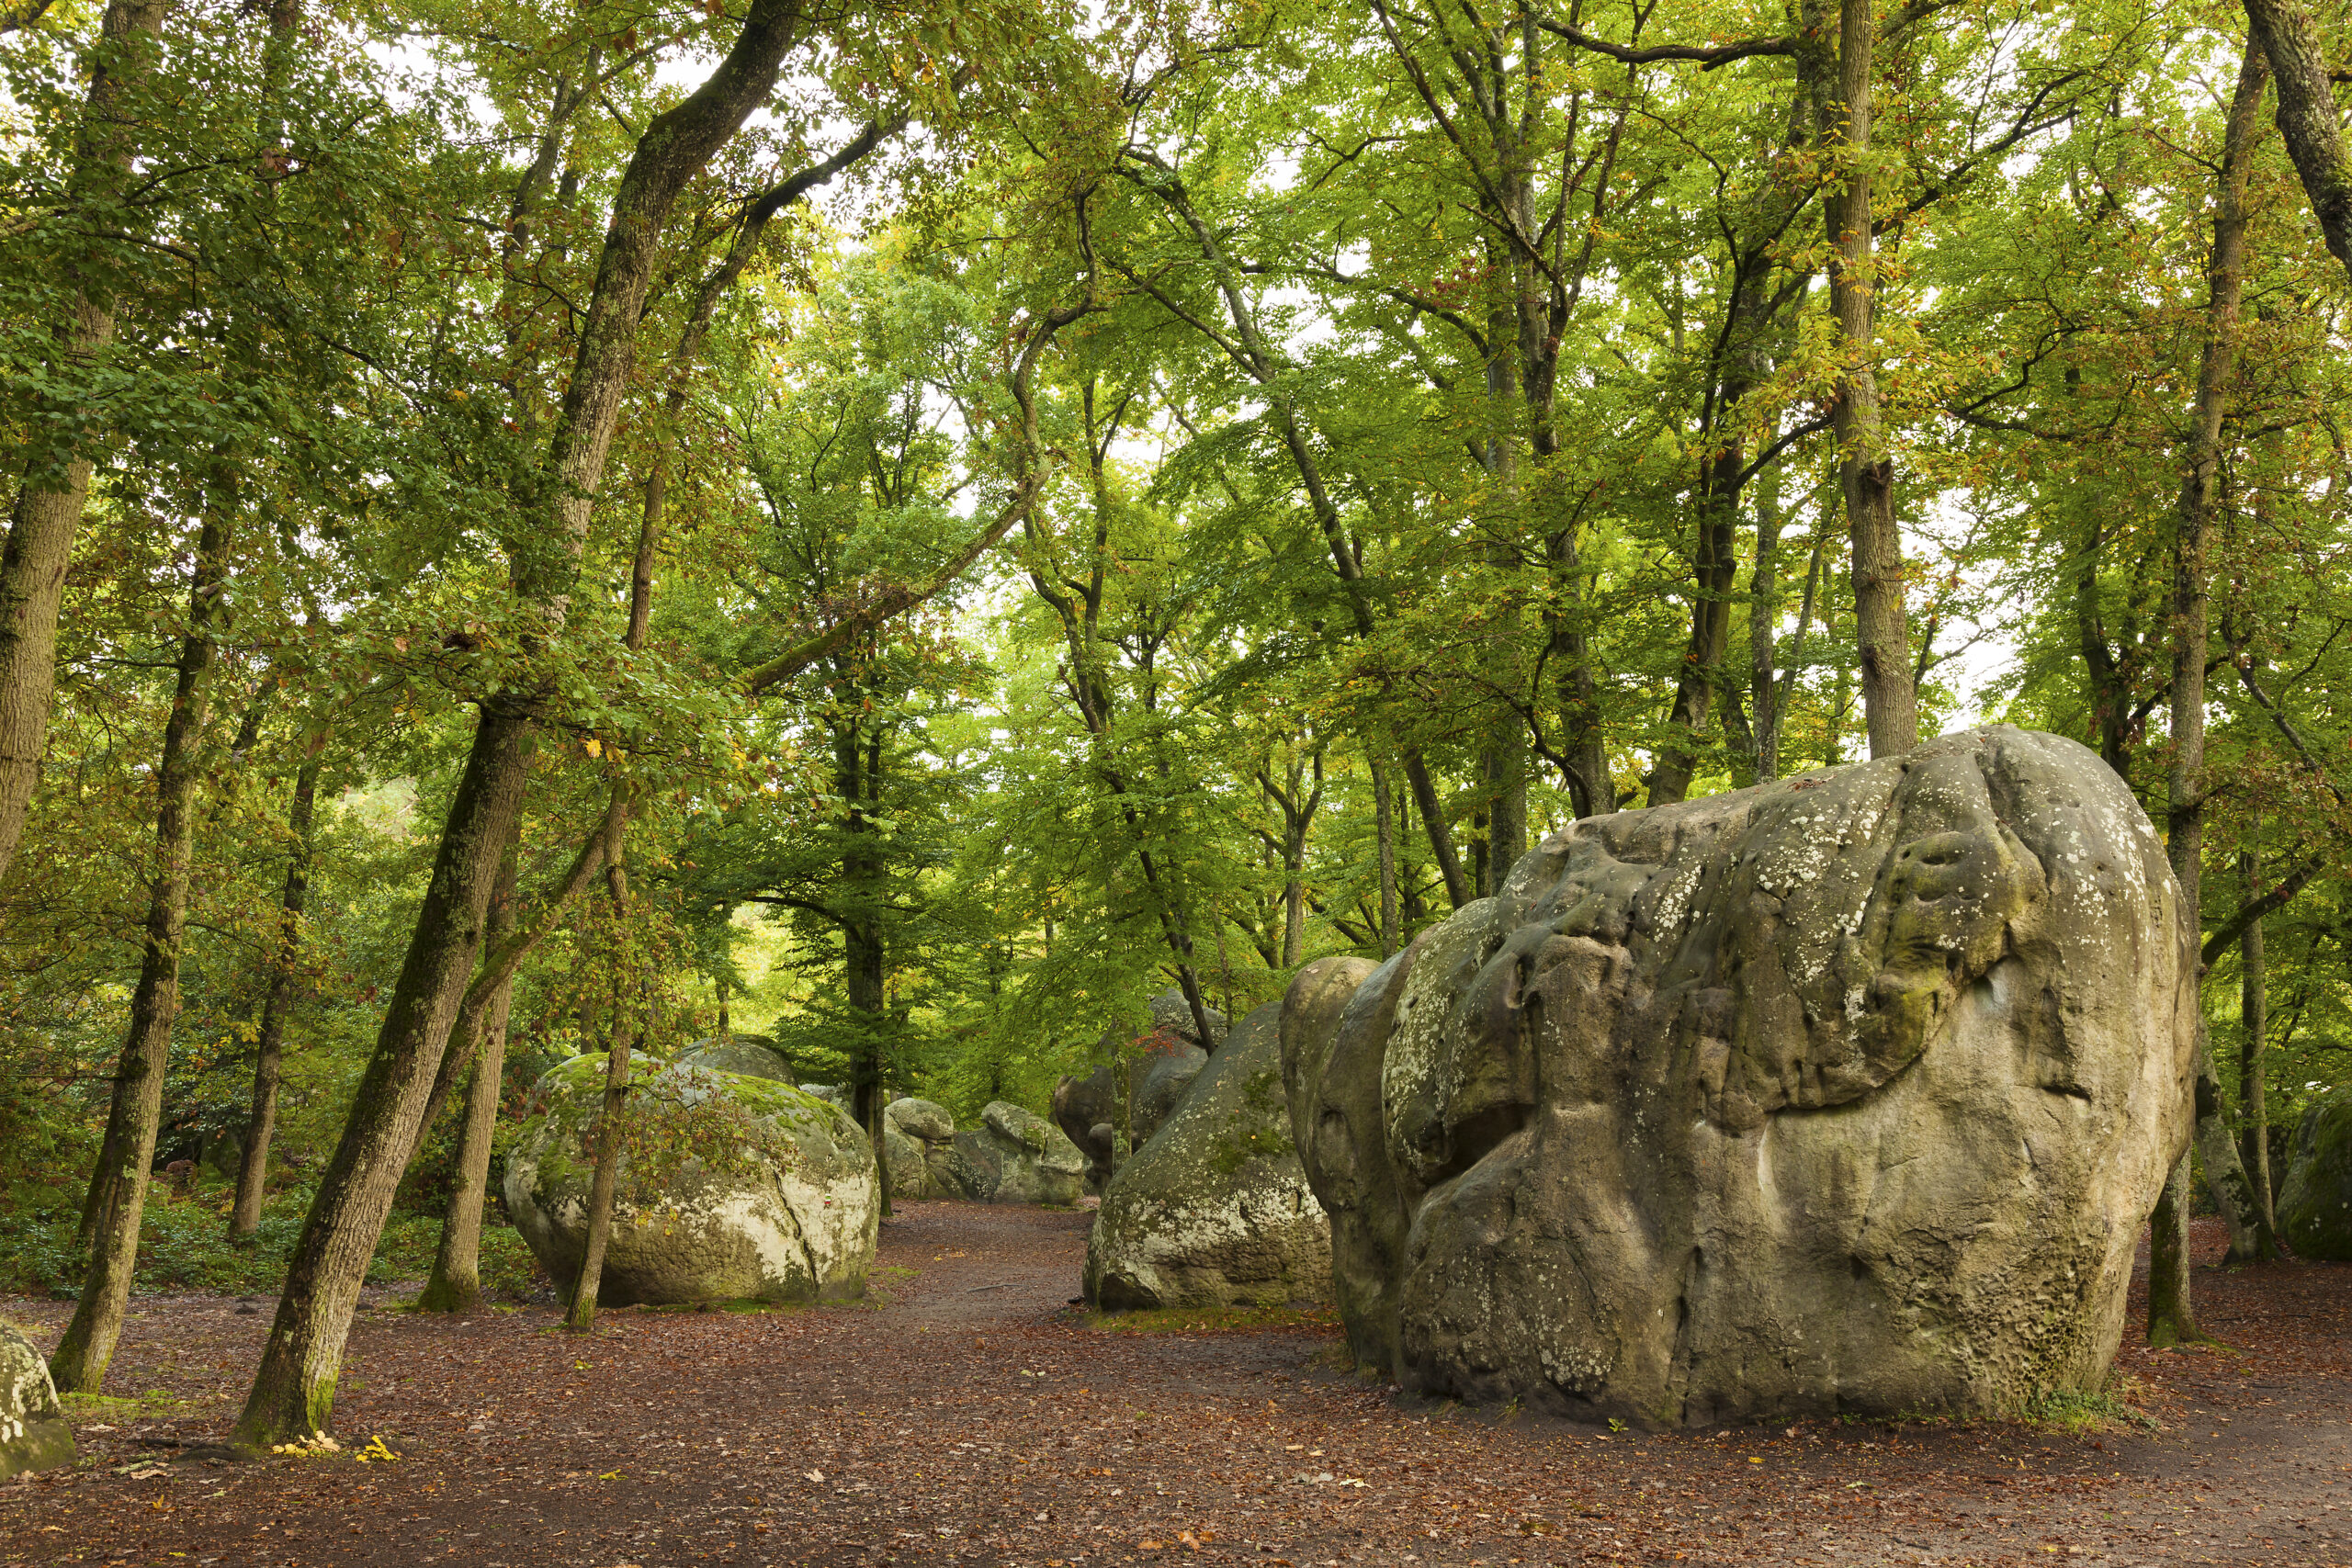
x=904, y=532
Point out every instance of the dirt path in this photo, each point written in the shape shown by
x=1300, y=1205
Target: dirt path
x=975, y=1420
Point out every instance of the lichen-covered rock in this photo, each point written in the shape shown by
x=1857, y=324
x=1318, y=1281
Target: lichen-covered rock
x=731, y=1187
x=2315, y=1202
x=740, y=1055
x=1845, y=1093
x=832, y=1094
x=1015, y=1156
x=1159, y=1067
x=33, y=1433
x=1214, y=1210
x=919, y=1136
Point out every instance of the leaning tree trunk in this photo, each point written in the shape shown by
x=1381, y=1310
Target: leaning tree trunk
x=79, y=1364
x=293, y=1389
x=455, y=1284
x=1384, y=817
x=253, y=1169
x=54, y=486
x=2308, y=117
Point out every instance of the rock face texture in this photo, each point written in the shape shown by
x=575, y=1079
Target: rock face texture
x=1847, y=1092
x=920, y=1137
x=1214, y=1210
x=1160, y=1067
x=33, y=1433
x=732, y=1187
x=1015, y=1156
x=2316, y=1202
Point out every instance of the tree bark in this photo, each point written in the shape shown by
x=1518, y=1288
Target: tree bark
x=1865, y=467
x=2185, y=824
x=611, y=1121
x=2172, y=1317
x=2253, y=1016
x=455, y=1284
x=1384, y=817
x=2308, y=117
x=293, y=1389
x=54, y=486
x=253, y=1170
x=79, y=1365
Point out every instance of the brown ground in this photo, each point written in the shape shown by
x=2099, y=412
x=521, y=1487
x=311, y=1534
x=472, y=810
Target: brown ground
x=974, y=1418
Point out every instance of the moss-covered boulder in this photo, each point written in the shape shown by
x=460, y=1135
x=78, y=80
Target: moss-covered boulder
x=33, y=1433
x=1214, y=1210
x=919, y=1137
x=740, y=1054
x=2316, y=1203
x=1015, y=1156
x=731, y=1187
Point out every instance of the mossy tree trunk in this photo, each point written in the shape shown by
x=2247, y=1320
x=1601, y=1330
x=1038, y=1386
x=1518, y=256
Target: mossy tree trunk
x=261, y=1122
x=293, y=1389
x=79, y=1364
x=2253, y=1015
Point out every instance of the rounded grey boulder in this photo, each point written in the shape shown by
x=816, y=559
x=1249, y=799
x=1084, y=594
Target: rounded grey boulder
x=744, y=1056
x=1845, y=1093
x=1214, y=1210
x=1091, y=1113
x=731, y=1187
x=1015, y=1156
x=2315, y=1201
x=33, y=1433
x=919, y=1136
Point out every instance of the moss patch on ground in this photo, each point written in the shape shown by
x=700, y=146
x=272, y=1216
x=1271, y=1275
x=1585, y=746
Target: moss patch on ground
x=1318, y=1319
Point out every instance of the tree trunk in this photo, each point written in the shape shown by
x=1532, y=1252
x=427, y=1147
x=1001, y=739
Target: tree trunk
x=1384, y=818
x=611, y=1121
x=2308, y=116
x=1448, y=865
x=1866, y=470
x=253, y=1170
x=54, y=486
x=79, y=1365
x=293, y=1389
x=2172, y=1317
x=1764, y=628
x=455, y=1284
x=2185, y=824
x=2254, y=1014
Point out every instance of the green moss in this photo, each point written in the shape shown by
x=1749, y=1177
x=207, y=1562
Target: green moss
x=1319, y=1319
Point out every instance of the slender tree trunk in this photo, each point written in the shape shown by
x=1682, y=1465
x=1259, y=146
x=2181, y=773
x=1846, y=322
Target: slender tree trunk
x=1866, y=469
x=253, y=1170
x=611, y=1121
x=79, y=1365
x=293, y=1388
x=2249, y=1237
x=1385, y=827
x=1458, y=890
x=455, y=1284
x=2172, y=1315
x=2254, y=1014
x=53, y=485
x=1764, y=628
x=2308, y=116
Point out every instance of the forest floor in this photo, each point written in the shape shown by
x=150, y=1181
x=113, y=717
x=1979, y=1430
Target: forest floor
x=969, y=1415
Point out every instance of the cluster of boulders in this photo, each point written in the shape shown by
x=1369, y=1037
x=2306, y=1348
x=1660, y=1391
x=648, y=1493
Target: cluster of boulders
x=1117, y=1109
x=33, y=1433
x=1845, y=1093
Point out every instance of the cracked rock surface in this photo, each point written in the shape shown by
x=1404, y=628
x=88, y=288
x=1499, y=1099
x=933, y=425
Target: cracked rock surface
x=1845, y=1093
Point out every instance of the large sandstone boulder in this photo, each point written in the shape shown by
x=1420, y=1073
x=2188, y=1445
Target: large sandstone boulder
x=2315, y=1202
x=33, y=1433
x=1015, y=1156
x=731, y=1187
x=1845, y=1093
x=1214, y=1210
x=920, y=1137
